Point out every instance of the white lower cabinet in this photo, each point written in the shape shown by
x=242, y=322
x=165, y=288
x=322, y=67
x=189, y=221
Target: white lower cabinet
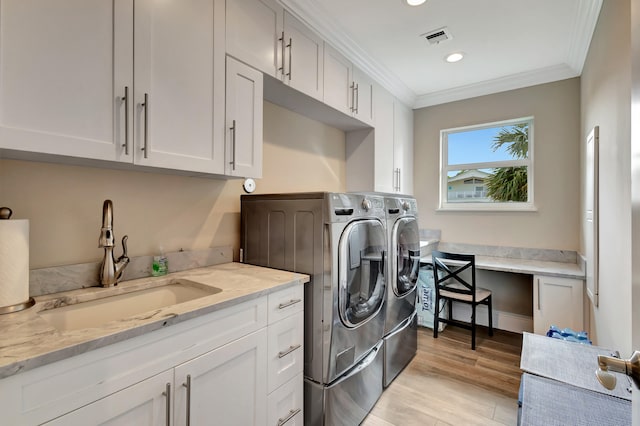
x=226, y=386
x=557, y=301
x=144, y=403
x=229, y=367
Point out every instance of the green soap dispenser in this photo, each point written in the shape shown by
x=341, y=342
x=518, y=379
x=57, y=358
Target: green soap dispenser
x=160, y=264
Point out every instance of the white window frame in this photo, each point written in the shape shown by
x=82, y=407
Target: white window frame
x=487, y=206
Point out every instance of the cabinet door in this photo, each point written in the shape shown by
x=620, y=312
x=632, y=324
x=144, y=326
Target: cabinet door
x=338, y=81
x=63, y=72
x=363, y=102
x=557, y=301
x=179, y=85
x=227, y=386
x=254, y=33
x=384, y=173
x=403, y=148
x=244, y=120
x=303, y=58
x=144, y=403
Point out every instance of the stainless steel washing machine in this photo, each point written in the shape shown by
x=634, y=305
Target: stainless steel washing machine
x=400, y=330
x=340, y=240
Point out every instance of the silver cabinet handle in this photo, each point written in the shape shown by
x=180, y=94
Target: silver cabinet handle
x=357, y=97
x=233, y=145
x=538, y=293
x=188, y=386
x=146, y=124
x=291, y=415
x=290, y=46
x=353, y=96
x=289, y=303
x=125, y=99
x=281, y=40
x=286, y=352
x=167, y=393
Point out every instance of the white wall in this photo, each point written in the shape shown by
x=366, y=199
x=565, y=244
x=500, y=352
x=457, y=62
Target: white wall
x=64, y=203
x=556, y=111
x=606, y=102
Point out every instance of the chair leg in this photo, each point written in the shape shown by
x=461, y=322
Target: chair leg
x=436, y=317
x=473, y=327
x=490, y=318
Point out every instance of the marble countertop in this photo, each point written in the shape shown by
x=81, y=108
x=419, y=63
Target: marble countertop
x=29, y=341
x=525, y=266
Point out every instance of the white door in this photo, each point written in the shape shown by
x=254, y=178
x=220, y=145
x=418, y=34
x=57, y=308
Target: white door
x=226, y=387
x=557, y=301
x=144, y=403
x=244, y=120
x=364, y=98
x=384, y=172
x=63, y=73
x=303, y=58
x=179, y=85
x=403, y=148
x=254, y=33
x=338, y=81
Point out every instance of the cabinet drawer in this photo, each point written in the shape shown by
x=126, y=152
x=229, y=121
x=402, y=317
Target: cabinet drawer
x=286, y=404
x=285, y=302
x=286, y=353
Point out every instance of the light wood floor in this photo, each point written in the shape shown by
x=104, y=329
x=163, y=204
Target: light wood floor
x=449, y=384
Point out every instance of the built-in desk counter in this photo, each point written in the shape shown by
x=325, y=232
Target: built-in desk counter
x=525, y=266
x=558, y=283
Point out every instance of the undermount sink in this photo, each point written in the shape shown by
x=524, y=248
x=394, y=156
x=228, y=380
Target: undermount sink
x=97, y=312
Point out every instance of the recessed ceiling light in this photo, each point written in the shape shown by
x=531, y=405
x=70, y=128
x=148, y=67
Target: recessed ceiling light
x=454, y=57
x=415, y=2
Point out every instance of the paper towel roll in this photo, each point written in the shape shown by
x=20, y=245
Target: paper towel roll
x=14, y=262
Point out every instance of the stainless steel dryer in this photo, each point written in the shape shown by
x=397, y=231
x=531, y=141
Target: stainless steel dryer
x=340, y=240
x=400, y=330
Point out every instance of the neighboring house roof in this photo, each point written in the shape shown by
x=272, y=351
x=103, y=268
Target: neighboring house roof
x=468, y=174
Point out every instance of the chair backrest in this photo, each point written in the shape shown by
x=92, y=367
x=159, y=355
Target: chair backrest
x=449, y=266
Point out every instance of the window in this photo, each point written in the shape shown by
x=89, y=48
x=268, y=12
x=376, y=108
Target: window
x=488, y=166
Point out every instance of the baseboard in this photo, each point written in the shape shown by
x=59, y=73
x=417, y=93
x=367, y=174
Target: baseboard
x=501, y=320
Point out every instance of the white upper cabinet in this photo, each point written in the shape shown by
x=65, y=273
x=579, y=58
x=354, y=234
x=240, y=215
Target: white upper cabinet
x=363, y=104
x=382, y=159
x=68, y=87
x=403, y=148
x=178, y=101
x=63, y=72
x=264, y=35
x=383, y=162
x=338, y=81
x=346, y=88
x=254, y=33
x=244, y=120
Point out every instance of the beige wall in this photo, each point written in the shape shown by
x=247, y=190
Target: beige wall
x=606, y=102
x=556, y=109
x=64, y=203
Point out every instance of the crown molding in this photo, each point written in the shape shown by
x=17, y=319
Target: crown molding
x=319, y=21
x=586, y=19
x=511, y=82
x=316, y=18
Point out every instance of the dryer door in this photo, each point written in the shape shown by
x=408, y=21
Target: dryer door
x=361, y=264
x=405, y=256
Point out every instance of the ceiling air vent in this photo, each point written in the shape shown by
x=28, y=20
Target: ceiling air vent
x=437, y=36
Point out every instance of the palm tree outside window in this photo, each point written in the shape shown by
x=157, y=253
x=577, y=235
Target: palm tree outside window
x=488, y=166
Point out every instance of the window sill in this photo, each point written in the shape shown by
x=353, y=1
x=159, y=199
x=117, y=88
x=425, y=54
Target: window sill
x=486, y=207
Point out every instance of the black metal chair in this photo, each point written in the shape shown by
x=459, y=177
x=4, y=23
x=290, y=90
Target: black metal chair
x=451, y=285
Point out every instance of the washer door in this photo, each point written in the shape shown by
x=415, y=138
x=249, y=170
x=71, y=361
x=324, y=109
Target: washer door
x=405, y=256
x=361, y=264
